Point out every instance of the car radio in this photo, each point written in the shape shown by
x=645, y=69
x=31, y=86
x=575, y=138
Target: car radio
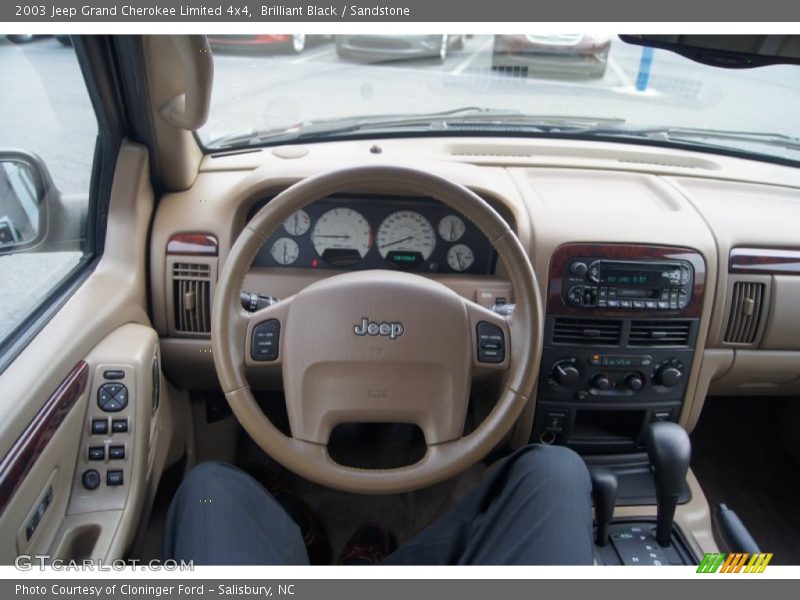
x=592, y=282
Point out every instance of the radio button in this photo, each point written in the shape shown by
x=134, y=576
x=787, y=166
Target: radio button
x=575, y=295
x=683, y=299
x=638, y=304
x=578, y=268
x=625, y=303
x=612, y=292
x=613, y=304
x=594, y=272
x=663, y=305
x=651, y=304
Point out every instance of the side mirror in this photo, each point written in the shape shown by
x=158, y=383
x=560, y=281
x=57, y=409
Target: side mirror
x=25, y=185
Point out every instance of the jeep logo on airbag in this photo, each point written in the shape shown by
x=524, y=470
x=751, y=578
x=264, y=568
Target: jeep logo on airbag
x=390, y=330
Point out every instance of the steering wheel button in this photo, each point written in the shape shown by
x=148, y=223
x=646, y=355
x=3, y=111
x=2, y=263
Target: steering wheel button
x=491, y=343
x=265, y=342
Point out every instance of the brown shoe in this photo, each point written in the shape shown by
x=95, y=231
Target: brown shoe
x=369, y=545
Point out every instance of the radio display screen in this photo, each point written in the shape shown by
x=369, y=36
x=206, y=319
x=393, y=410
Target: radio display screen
x=632, y=277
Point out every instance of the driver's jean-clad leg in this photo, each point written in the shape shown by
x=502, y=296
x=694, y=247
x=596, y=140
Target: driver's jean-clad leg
x=533, y=508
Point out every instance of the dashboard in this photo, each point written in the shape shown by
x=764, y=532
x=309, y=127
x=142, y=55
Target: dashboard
x=638, y=344
x=356, y=232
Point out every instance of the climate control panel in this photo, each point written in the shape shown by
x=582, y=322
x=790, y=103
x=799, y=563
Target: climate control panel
x=585, y=375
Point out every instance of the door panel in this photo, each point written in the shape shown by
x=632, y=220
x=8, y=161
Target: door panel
x=103, y=323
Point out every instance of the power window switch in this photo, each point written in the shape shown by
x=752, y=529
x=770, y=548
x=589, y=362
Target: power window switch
x=97, y=453
x=119, y=425
x=99, y=426
x=116, y=452
x=114, y=478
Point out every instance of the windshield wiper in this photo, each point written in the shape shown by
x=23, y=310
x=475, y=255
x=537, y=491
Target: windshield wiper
x=695, y=135
x=474, y=117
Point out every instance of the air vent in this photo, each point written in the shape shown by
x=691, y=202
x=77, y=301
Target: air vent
x=660, y=333
x=588, y=332
x=745, y=316
x=191, y=286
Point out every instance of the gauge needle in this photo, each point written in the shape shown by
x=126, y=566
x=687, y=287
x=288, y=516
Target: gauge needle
x=284, y=252
x=460, y=262
x=296, y=228
x=339, y=237
x=452, y=230
x=400, y=241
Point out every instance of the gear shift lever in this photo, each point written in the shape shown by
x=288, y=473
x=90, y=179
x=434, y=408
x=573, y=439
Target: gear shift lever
x=604, y=496
x=669, y=450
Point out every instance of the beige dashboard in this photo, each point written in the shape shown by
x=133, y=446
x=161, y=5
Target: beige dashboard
x=556, y=192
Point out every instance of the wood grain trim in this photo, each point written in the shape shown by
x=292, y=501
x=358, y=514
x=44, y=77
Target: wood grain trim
x=19, y=460
x=765, y=261
x=193, y=244
x=564, y=254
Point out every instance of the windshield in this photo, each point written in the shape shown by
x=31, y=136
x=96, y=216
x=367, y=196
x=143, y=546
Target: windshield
x=275, y=89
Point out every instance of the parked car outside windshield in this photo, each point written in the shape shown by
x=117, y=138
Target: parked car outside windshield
x=587, y=84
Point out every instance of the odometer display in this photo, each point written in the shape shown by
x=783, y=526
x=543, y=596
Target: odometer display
x=406, y=239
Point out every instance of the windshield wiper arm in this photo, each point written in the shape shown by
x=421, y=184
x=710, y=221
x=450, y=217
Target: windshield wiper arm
x=672, y=134
x=334, y=126
x=442, y=120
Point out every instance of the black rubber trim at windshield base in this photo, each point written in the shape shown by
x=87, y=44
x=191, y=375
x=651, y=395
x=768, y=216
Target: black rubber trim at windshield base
x=29, y=328
x=525, y=135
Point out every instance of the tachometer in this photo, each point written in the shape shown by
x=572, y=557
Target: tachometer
x=342, y=237
x=460, y=257
x=298, y=223
x=405, y=239
x=285, y=251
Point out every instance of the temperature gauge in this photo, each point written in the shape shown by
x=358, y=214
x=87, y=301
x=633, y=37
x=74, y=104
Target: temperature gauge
x=285, y=251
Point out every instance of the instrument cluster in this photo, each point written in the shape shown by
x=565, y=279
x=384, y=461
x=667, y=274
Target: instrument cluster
x=356, y=232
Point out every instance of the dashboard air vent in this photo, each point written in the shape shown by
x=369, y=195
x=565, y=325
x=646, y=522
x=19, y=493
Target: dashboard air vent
x=589, y=332
x=746, y=304
x=191, y=286
x=660, y=333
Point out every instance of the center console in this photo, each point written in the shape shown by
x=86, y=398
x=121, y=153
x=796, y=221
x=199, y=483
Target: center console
x=620, y=334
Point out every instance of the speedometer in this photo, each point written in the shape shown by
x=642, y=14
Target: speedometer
x=406, y=239
x=342, y=237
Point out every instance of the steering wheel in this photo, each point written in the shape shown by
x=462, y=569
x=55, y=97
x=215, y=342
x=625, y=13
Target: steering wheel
x=377, y=346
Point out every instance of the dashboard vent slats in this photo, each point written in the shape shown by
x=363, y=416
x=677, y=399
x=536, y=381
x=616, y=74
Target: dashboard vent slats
x=192, y=288
x=747, y=301
x=660, y=333
x=590, y=332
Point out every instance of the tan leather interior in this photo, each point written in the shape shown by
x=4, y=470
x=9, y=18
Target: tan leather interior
x=337, y=377
x=555, y=192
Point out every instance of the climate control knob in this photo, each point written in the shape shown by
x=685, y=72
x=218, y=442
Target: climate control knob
x=634, y=381
x=669, y=376
x=565, y=373
x=601, y=382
